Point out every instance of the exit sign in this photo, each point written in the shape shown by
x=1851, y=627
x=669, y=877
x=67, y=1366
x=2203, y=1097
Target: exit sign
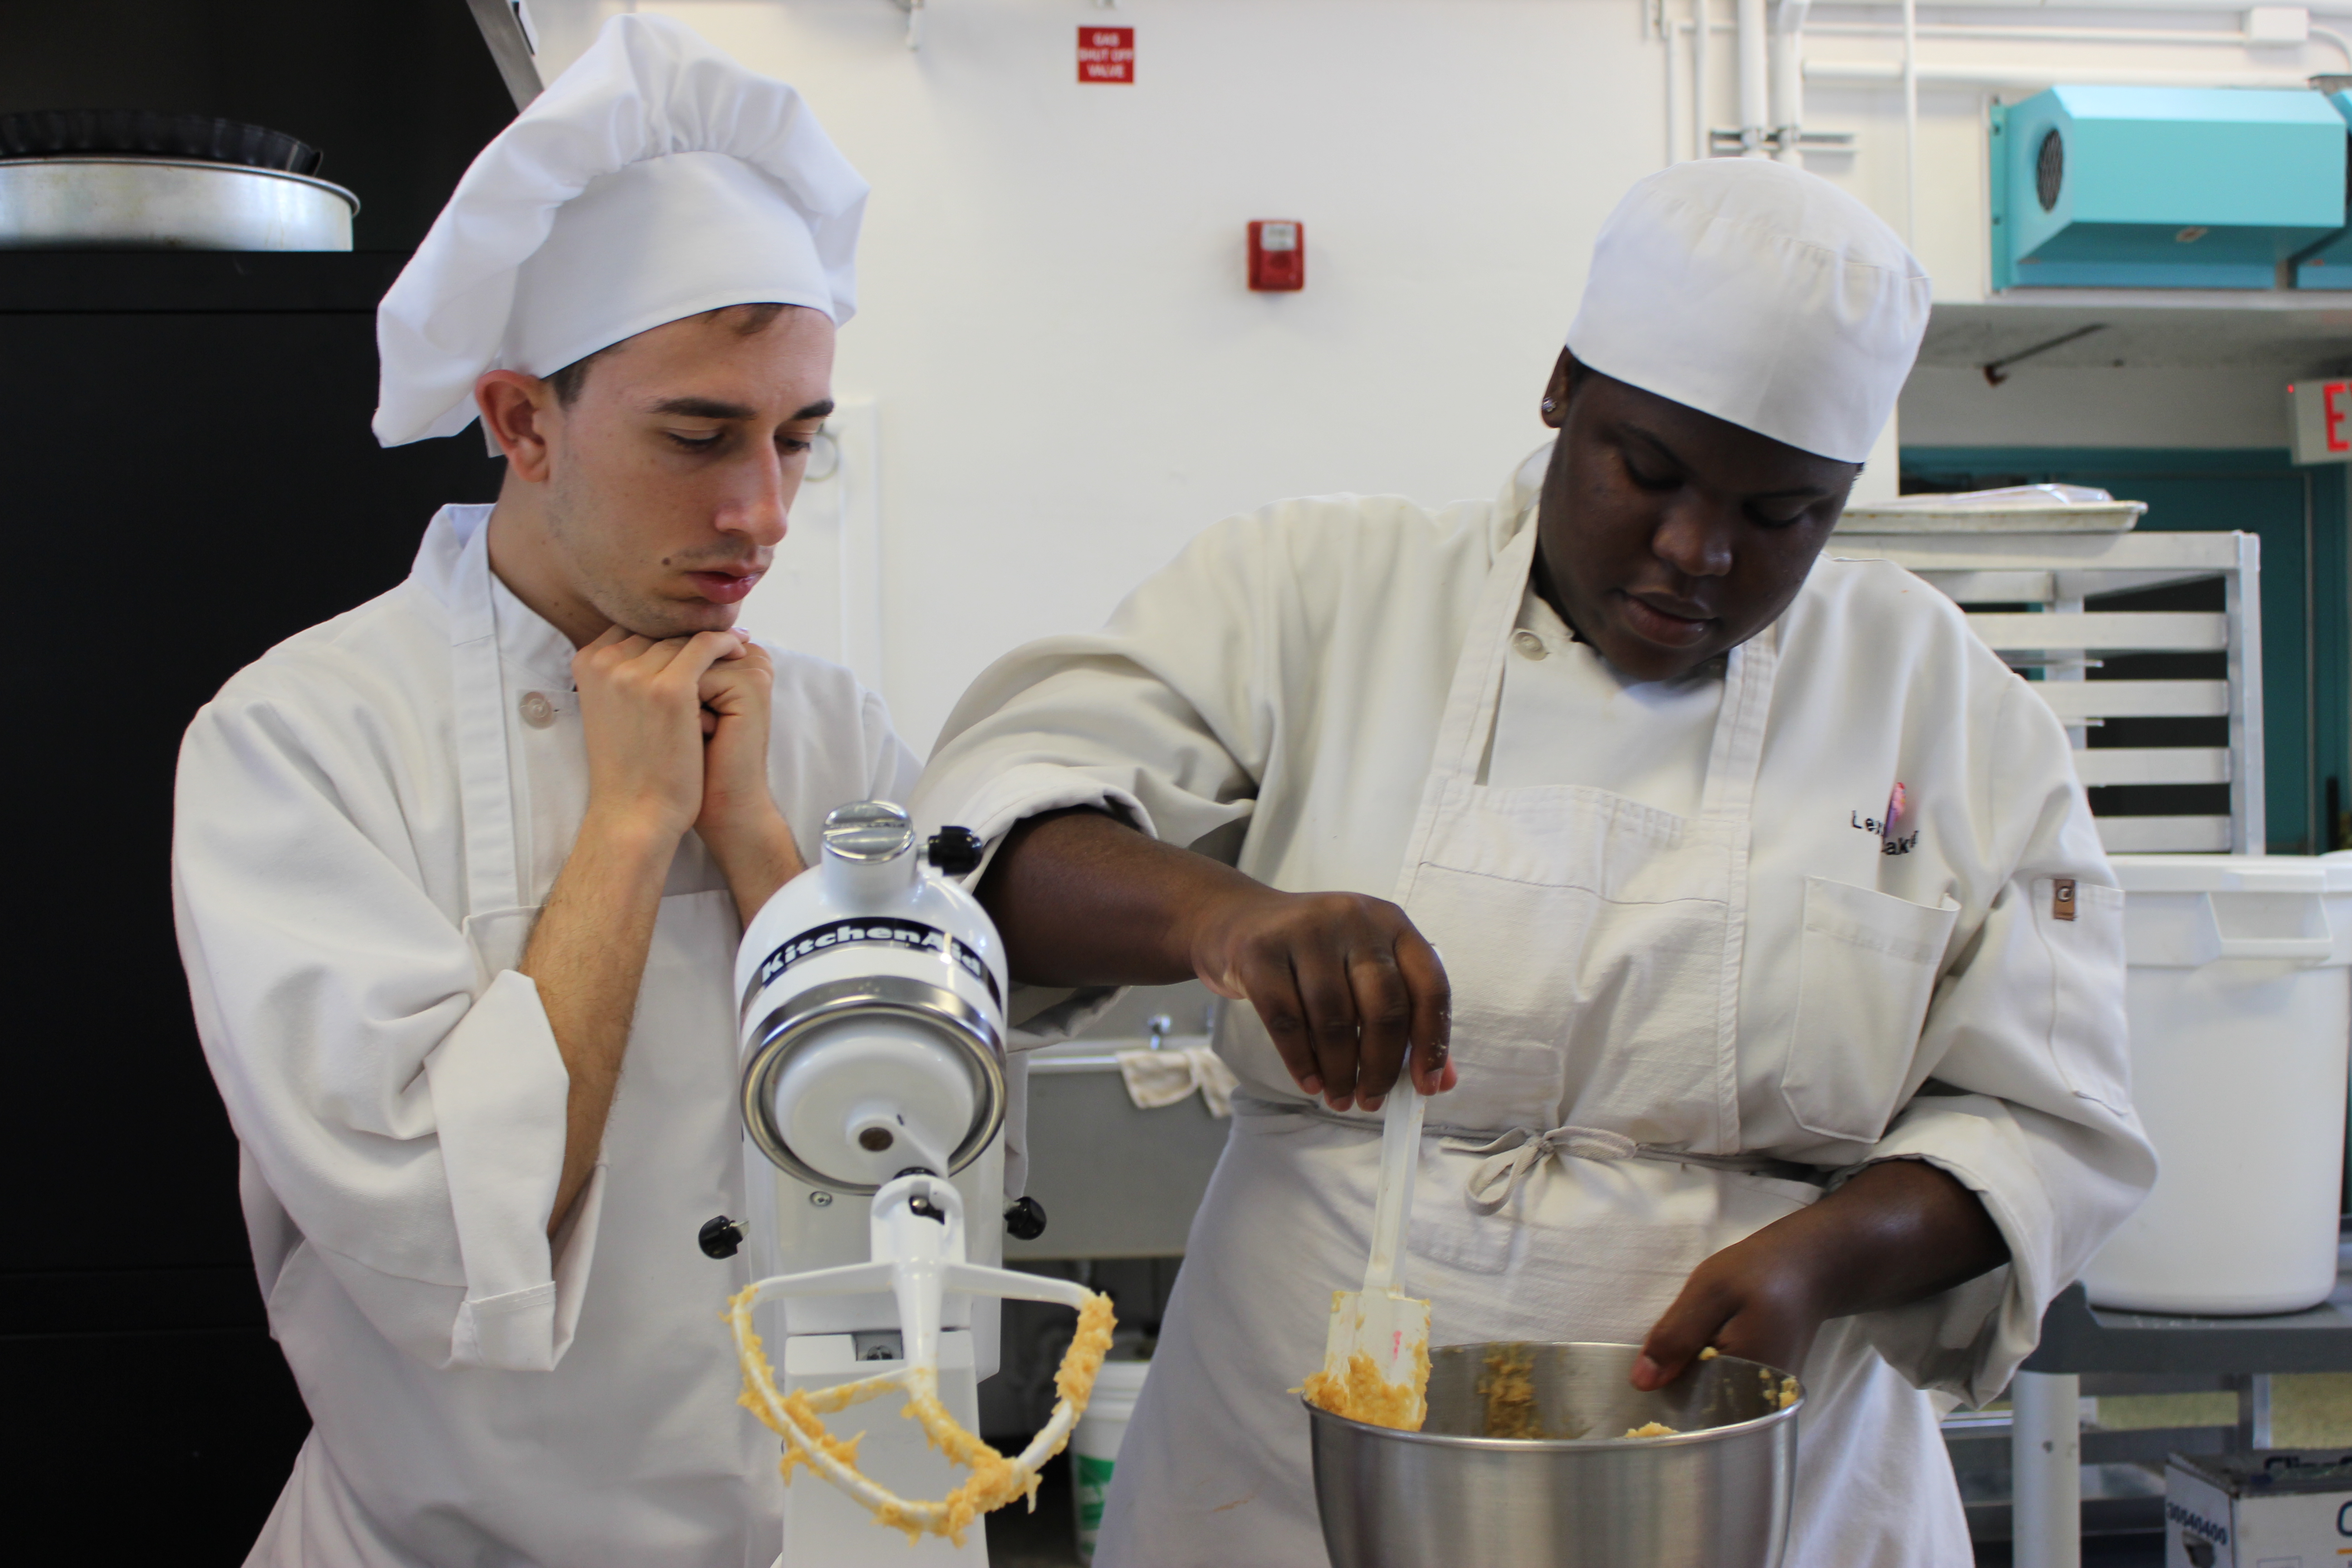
x=1106, y=54
x=2323, y=421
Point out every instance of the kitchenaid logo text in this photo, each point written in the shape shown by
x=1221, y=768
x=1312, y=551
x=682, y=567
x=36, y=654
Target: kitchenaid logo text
x=877, y=930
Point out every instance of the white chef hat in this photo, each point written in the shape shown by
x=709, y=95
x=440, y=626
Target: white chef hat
x=1757, y=293
x=653, y=180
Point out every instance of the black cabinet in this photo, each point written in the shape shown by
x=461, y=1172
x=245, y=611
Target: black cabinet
x=186, y=476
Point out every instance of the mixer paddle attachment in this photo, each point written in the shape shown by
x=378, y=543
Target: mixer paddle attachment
x=917, y=1235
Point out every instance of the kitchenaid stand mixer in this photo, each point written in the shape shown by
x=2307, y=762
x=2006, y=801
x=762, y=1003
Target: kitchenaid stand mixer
x=873, y=1066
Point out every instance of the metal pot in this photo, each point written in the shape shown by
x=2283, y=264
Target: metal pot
x=107, y=201
x=1717, y=1494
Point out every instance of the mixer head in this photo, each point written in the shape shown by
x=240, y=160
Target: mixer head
x=874, y=1021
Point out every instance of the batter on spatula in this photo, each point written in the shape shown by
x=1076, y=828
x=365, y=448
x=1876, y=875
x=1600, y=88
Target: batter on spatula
x=1376, y=1354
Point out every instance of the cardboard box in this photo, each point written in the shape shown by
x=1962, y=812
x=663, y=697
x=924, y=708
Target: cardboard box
x=2275, y=1508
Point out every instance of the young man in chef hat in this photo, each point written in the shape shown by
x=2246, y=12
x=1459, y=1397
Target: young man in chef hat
x=460, y=873
x=1782, y=974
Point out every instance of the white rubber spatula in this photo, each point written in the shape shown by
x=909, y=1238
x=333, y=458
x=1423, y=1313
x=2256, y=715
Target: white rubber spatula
x=1376, y=1356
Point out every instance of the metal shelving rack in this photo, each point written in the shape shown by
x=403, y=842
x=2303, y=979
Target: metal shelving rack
x=2048, y=1445
x=2055, y=573
x=2057, y=635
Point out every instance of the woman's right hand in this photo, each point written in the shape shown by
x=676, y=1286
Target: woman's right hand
x=1343, y=982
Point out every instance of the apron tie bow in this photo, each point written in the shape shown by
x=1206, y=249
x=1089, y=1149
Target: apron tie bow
x=1514, y=1156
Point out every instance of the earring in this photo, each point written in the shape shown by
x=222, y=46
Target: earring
x=1547, y=405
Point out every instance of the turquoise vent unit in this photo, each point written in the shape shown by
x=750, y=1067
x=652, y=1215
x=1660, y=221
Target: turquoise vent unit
x=2148, y=187
x=2328, y=265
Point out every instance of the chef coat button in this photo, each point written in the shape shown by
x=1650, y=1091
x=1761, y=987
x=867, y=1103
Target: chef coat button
x=1529, y=645
x=537, y=711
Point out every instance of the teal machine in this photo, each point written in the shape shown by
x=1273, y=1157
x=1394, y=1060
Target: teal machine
x=2328, y=265
x=2132, y=187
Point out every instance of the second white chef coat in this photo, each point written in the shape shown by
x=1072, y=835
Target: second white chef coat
x=1567, y=717
x=367, y=818
x=1279, y=695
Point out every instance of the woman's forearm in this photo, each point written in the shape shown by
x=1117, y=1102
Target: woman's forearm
x=1344, y=985
x=1898, y=1232
x=1081, y=899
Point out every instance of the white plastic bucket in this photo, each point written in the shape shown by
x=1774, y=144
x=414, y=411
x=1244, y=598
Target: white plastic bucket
x=2338, y=867
x=1094, y=1446
x=2240, y=1009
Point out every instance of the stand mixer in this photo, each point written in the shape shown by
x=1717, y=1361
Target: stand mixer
x=873, y=1049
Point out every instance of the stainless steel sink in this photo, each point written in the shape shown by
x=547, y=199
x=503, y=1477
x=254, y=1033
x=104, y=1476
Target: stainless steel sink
x=1117, y=1182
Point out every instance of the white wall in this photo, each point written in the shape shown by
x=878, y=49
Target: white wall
x=1071, y=377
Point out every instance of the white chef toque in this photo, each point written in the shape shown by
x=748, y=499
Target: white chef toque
x=653, y=180
x=1757, y=293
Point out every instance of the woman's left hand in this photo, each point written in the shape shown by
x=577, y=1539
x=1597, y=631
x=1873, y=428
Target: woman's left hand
x=1898, y=1232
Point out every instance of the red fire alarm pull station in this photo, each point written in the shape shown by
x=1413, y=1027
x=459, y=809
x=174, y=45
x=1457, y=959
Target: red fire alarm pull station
x=1106, y=54
x=1277, y=255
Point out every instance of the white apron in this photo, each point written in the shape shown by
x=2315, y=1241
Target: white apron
x=1594, y=948
x=630, y=1449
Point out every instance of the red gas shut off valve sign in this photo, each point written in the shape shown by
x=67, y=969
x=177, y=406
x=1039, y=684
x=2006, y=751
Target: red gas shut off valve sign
x=1106, y=54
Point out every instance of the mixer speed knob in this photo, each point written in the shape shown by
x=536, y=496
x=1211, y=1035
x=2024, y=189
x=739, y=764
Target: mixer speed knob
x=719, y=1237
x=955, y=850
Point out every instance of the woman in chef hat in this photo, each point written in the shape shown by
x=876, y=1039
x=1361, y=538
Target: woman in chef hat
x=1779, y=1006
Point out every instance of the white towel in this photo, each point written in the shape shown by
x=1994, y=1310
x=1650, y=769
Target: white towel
x=1159, y=1077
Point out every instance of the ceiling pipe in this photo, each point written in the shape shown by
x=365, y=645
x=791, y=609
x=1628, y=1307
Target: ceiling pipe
x=2025, y=34
x=1911, y=122
x=1672, y=33
x=914, y=9
x=1702, y=79
x=2066, y=34
x=1788, y=99
x=1754, y=81
x=1943, y=74
x=2029, y=7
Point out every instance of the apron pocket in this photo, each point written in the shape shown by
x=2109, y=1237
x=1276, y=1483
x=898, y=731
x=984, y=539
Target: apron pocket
x=1504, y=1082
x=1868, y=965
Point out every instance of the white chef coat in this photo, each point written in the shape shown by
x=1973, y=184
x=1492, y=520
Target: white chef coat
x=1305, y=692
x=1569, y=717
x=369, y=817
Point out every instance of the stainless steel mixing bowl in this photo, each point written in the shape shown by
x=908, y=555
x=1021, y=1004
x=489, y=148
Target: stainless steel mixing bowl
x=1716, y=1495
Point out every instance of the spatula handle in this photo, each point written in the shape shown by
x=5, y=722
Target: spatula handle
x=1400, y=1155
